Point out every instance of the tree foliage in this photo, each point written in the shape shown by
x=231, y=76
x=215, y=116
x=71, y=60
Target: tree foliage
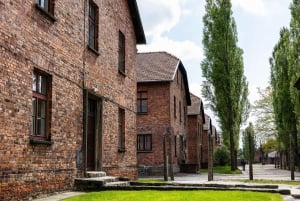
x=281, y=80
x=264, y=125
x=222, y=156
x=249, y=135
x=226, y=88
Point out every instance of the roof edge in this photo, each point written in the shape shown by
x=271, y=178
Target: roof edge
x=137, y=22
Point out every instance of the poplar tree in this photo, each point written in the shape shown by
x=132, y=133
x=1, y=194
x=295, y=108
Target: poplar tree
x=285, y=117
x=225, y=88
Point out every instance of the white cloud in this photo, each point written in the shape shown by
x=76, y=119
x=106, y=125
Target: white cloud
x=160, y=16
x=184, y=50
x=255, y=7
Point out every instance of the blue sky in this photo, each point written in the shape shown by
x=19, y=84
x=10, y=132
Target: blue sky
x=176, y=26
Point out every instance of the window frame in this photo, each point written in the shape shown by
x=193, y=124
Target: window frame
x=38, y=95
x=175, y=115
x=121, y=130
x=142, y=101
x=122, y=53
x=49, y=10
x=144, y=141
x=93, y=21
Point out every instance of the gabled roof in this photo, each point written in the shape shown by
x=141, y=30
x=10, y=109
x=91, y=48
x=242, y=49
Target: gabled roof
x=207, y=126
x=196, y=108
x=136, y=19
x=160, y=67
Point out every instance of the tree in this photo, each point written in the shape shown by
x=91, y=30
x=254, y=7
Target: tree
x=264, y=125
x=294, y=59
x=225, y=88
x=285, y=118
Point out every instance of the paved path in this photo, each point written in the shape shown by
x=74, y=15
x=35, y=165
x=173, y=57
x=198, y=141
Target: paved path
x=265, y=172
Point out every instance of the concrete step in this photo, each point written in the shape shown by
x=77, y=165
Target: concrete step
x=118, y=183
x=92, y=174
x=94, y=183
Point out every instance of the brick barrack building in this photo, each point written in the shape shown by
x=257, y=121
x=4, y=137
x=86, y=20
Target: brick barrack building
x=67, y=93
x=162, y=100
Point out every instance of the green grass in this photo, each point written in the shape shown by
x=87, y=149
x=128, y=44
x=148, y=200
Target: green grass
x=176, y=196
x=151, y=181
x=268, y=181
x=223, y=170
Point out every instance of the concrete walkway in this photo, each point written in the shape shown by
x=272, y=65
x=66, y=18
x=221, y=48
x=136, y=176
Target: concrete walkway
x=261, y=172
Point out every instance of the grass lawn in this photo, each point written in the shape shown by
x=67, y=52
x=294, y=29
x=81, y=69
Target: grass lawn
x=151, y=181
x=223, y=170
x=176, y=196
x=269, y=181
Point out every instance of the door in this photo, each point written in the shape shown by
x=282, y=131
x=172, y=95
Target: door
x=91, y=135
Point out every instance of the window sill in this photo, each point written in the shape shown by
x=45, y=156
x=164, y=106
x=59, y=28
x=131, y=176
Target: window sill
x=122, y=73
x=121, y=150
x=40, y=142
x=93, y=50
x=142, y=113
x=46, y=13
x=144, y=152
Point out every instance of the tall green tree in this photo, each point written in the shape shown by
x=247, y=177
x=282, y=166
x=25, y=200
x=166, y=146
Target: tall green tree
x=285, y=117
x=262, y=108
x=225, y=88
x=294, y=56
x=246, y=146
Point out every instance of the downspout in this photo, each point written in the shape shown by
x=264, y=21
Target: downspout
x=85, y=94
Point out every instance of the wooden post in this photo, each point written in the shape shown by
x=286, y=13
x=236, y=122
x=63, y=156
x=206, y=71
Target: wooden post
x=250, y=141
x=165, y=159
x=210, y=158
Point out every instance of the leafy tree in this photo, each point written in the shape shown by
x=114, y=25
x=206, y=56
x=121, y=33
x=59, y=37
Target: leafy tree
x=245, y=138
x=270, y=145
x=285, y=118
x=294, y=59
x=264, y=125
x=222, y=156
x=225, y=88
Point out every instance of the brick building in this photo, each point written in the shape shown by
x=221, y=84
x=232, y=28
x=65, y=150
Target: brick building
x=196, y=120
x=162, y=100
x=67, y=92
x=209, y=130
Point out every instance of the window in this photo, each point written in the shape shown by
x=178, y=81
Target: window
x=175, y=145
x=142, y=102
x=180, y=120
x=144, y=142
x=46, y=7
x=121, y=60
x=174, y=107
x=93, y=26
x=41, y=106
x=121, y=134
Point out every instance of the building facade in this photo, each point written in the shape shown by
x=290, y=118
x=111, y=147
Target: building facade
x=67, y=93
x=162, y=100
x=196, y=120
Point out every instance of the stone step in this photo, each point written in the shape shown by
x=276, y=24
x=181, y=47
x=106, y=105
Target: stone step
x=92, y=174
x=94, y=183
x=118, y=183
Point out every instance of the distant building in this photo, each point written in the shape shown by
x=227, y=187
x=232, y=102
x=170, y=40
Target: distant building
x=196, y=120
x=162, y=99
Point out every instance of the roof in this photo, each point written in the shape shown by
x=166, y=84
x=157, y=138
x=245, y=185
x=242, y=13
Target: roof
x=160, y=67
x=136, y=19
x=272, y=154
x=196, y=108
x=207, y=125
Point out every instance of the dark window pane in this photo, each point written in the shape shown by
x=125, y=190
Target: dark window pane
x=33, y=115
x=43, y=88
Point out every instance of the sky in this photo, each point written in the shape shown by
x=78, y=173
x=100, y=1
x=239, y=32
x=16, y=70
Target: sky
x=175, y=26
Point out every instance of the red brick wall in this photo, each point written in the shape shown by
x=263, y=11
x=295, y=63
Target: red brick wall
x=160, y=116
x=28, y=40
